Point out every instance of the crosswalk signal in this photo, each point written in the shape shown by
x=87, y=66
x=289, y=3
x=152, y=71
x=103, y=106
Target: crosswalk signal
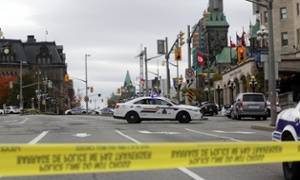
x=241, y=54
x=178, y=54
x=66, y=77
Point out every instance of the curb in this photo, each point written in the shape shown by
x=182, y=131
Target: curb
x=263, y=128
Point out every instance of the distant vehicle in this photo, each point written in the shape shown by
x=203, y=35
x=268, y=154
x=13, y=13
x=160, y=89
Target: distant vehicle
x=1, y=111
x=209, y=108
x=155, y=108
x=250, y=105
x=12, y=110
x=288, y=129
x=106, y=111
x=75, y=111
x=94, y=111
x=278, y=108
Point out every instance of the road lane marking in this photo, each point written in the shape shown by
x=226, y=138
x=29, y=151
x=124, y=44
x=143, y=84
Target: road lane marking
x=148, y=132
x=213, y=135
x=182, y=169
x=82, y=135
x=233, y=132
x=39, y=137
x=22, y=122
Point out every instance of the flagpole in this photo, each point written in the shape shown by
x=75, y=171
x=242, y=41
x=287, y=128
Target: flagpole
x=230, y=51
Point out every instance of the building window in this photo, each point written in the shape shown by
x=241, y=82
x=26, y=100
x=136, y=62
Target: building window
x=283, y=14
x=297, y=9
x=284, y=39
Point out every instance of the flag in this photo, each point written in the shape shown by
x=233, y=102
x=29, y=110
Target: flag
x=232, y=45
x=243, y=39
x=200, y=58
x=239, y=40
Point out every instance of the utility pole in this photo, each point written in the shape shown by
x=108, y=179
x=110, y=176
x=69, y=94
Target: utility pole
x=271, y=60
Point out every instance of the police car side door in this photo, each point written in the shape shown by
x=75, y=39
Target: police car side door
x=165, y=110
x=145, y=108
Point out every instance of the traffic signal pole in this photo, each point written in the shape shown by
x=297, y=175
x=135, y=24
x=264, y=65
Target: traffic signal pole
x=271, y=60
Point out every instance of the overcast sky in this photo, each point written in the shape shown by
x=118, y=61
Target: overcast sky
x=112, y=32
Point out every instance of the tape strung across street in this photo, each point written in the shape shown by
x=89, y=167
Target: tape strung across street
x=42, y=159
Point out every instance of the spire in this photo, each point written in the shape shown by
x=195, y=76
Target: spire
x=127, y=81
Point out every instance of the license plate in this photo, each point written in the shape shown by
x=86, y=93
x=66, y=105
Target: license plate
x=254, y=107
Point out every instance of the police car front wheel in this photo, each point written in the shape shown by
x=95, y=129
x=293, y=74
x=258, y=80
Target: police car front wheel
x=184, y=117
x=291, y=169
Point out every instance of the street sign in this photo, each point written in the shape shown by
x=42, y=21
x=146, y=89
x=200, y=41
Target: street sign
x=189, y=73
x=191, y=82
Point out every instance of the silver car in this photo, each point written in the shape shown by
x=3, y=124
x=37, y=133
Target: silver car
x=250, y=105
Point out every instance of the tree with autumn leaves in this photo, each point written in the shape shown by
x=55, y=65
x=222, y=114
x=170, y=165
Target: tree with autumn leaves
x=4, y=88
x=9, y=96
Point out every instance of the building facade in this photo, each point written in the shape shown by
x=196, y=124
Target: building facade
x=45, y=62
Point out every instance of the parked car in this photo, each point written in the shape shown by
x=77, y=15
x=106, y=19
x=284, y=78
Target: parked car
x=106, y=111
x=278, y=108
x=155, y=108
x=209, y=108
x=250, y=105
x=75, y=111
x=1, y=111
x=287, y=129
x=12, y=110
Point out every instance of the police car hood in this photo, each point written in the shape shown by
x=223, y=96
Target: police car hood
x=187, y=106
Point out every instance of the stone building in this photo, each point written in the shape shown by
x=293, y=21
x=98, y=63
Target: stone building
x=45, y=62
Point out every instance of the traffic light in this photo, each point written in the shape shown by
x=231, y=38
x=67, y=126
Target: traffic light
x=102, y=100
x=180, y=79
x=241, y=54
x=119, y=91
x=178, y=54
x=195, y=39
x=99, y=95
x=181, y=38
x=91, y=89
x=66, y=77
x=207, y=14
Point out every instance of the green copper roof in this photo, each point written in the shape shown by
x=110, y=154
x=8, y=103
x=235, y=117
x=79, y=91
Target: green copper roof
x=254, y=29
x=226, y=55
x=217, y=19
x=127, y=81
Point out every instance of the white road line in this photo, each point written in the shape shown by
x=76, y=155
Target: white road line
x=39, y=137
x=182, y=169
x=213, y=135
x=22, y=122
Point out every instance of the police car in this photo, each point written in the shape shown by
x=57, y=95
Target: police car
x=155, y=108
x=288, y=129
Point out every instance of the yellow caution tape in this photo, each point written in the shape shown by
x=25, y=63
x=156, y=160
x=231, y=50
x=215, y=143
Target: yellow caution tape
x=42, y=159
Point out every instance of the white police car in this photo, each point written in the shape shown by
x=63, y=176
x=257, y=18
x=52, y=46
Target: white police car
x=288, y=129
x=155, y=108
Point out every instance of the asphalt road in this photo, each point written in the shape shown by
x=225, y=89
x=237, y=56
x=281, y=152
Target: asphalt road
x=35, y=129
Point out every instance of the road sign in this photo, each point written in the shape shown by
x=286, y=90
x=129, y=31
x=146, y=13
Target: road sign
x=189, y=73
x=191, y=82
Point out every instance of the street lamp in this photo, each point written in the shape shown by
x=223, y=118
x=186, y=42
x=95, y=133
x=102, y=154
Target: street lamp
x=146, y=68
x=262, y=36
x=86, y=85
x=218, y=88
x=253, y=83
x=232, y=87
